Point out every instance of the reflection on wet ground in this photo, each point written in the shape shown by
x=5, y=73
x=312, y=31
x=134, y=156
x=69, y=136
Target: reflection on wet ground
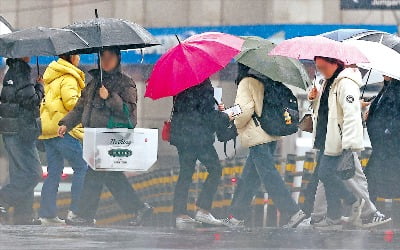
x=37, y=237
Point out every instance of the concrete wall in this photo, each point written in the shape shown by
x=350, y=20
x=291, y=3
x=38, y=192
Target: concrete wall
x=169, y=13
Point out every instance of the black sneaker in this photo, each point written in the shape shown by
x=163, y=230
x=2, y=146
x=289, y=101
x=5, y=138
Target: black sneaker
x=79, y=221
x=141, y=215
x=375, y=220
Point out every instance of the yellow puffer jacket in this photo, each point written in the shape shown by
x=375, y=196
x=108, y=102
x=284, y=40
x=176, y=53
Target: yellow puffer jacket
x=63, y=84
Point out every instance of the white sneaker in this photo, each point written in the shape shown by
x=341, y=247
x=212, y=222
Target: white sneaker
x=51, y=221
x=233, y=222
x=71, y=215
x=296, y=219
x=305, y=224
x=375, y=219
x=356, y=209
x=186, y=223
x=207, y=218
x=329, y=224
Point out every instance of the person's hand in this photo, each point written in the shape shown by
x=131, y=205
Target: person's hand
x=313, y=93
x=366, y=115
x=103, y=92
x=364, y=104
x=221, y=107
x=62, y=130
x=231, y=116
x=39, y=79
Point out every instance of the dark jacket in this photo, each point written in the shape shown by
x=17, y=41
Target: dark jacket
x=20, y=101
x=383, y=124
x=194, y=119
x=94, y=112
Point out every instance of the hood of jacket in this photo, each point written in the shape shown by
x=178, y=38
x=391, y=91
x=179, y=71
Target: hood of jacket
x=61, y=67
x=352, y=74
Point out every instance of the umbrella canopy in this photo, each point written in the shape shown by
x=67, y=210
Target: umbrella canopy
x=106, y=32
x=381, y=58
x=343, y=34
x=5, y=27
x=308, y=47
x=191, y=62
x=390, y=40
x=40, y=41
x=281, y=69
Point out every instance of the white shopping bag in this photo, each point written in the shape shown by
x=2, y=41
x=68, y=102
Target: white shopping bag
x=120, y=149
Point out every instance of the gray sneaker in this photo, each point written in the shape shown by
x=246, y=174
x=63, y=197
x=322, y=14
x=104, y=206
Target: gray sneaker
x=296, y=219
x=207, y=218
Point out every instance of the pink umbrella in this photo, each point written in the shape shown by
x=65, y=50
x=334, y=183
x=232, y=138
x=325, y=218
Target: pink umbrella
x=191, y=62
x=308, y=47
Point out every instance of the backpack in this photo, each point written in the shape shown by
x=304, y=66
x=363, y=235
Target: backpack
x=280, y=112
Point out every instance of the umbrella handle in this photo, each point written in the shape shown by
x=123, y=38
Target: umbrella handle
x=37, y=65
x=366, y=83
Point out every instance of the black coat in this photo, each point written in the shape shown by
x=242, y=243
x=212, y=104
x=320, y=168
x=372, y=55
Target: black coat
x=20, y=100
x=92, y=111
x=194, y=119
x=383, y=123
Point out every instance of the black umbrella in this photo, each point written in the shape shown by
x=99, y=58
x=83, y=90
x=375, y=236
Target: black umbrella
x=390, y=40
x=40, y=41
x=112, y=32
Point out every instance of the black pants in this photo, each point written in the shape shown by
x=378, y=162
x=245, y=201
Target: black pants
x=335, y=190
x=187, y=160
x=117, y=184
x=311, y=190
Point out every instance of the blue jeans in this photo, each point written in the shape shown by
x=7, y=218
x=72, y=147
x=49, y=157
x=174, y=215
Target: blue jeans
x=335, y=190
x=260, y=168
x=25, y=173
x=58, y=150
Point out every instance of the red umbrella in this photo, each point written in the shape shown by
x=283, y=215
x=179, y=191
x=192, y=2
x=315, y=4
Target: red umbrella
x=308, y=47
x=191, y=62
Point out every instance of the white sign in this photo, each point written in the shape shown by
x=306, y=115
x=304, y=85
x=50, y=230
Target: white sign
x=120, y=149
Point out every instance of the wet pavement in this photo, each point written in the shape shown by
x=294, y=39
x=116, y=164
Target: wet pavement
x=37, y=237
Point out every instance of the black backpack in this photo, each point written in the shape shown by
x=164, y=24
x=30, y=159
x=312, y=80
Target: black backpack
x=280, y=112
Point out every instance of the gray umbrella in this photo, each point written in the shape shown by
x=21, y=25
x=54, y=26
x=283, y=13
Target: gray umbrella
x=40, y=41
x=107, y=32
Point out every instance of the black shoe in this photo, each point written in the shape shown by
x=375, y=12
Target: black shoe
x=3, y=215
x=79, y=221
x=141, y=215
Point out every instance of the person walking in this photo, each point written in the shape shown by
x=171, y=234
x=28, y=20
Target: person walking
x=20, y=100
x=259, y=167
x=193, y=126
x=99, y=102
x=337, y=128
x=63, y=84
x=383, y=124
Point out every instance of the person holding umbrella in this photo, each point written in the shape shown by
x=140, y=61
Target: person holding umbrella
x=64, y=82
x=100, y=101
x=193, y=126
x=19, y=108
x=183, y=72
x=20, y=100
